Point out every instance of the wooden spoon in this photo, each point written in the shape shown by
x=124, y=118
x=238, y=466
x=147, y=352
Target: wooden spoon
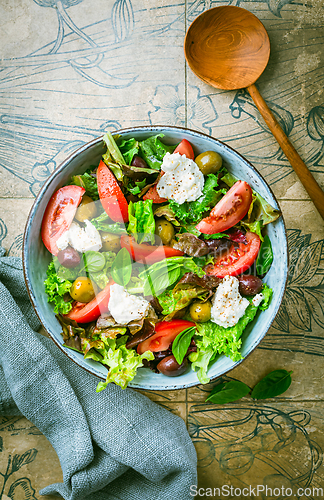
x=228, y=47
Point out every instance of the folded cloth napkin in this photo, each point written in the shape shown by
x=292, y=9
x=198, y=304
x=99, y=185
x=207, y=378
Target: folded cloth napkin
x=116, y=444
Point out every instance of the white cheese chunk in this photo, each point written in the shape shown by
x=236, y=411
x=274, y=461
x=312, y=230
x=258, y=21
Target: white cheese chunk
x=228, y=305
x=257, y=299
x=82, y=239
x=125, y=307
x=182, y=180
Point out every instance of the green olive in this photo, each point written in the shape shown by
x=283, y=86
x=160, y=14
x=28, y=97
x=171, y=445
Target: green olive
x=110, y=242
x=209, y=162
x=200, y=311
x=165, y=230
x=83, y=289
x=86, y=210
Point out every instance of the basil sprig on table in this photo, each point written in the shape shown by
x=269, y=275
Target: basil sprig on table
x=181, y=343
x=227, y=392
x=272, y=385
x=265, y=257
x=121, y=269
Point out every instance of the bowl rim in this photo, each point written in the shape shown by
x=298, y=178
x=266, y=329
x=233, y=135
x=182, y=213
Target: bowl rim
x=88, y=145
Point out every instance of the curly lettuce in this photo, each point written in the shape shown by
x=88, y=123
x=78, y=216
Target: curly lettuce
x=212, y=339
x=193, y=211
x=122, y=363
x=57, y=288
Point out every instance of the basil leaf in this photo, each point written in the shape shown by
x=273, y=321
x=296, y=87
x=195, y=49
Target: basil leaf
x=156, y=282
x=265, y=257
x=121, y=269
x=274, y=384
x=94, y=261
x=181, y=343
x=227, y=392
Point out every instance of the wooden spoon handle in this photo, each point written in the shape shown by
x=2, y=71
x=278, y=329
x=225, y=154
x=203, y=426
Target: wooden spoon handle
x=306, y=178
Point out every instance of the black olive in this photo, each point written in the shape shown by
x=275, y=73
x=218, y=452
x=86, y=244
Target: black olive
x=171, y=368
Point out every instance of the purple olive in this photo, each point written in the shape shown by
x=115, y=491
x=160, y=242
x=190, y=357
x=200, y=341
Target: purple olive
x=171, y=368
x=249, y=285
x=68, y=257
x=138, y=162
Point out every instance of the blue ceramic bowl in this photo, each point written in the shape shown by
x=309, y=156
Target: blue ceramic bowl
x=36, y=258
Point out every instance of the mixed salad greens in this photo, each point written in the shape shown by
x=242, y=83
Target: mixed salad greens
x=158, y=259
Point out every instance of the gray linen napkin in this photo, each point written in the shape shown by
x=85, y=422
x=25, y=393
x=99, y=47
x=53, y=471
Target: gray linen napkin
x=115, y=444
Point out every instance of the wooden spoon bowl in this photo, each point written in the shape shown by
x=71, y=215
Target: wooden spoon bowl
x=228, y=47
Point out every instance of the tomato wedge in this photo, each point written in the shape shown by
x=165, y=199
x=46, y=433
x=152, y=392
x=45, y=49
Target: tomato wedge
x=238, y=260
x=165, y=333
x=59, y=214
x=84, y=313
x=185, y=148
x=111, y=196
x=229, y=210
x=153, y=195
x=141, y=252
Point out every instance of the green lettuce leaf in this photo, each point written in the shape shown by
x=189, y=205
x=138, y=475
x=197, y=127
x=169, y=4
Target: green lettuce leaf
x=128, y=149
x=161, y=275
x=193, y=211
x=267, y=295
x=177, y=299
x=260, y=209
x=113, y=157
x=200, y=362
x=153, y=150
x=101, y=278
x=121, y=362
x=212, y=338
x=56, y=289
x=141, y=221
x=166, y=212
x=103, y=223
x=88, y=182
x=254, y=227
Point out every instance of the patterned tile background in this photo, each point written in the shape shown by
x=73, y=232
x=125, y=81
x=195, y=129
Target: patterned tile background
x=79, y=67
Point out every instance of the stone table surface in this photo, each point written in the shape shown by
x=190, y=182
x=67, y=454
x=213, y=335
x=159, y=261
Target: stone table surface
x=72, y=69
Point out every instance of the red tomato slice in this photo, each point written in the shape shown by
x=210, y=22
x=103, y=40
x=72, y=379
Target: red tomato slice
x=111, y=196
x=229, y=210
x=59, y=214
x=84, y=313
x=238, y=260
x=165, y=333
x=153, y=195
x=141, y=252
x=185, y=148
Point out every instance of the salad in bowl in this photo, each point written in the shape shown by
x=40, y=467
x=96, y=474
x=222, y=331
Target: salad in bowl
x=157, y=259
